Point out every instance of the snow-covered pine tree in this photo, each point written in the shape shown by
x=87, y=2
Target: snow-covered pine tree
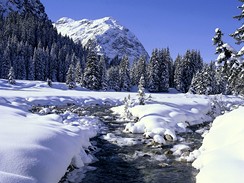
x=31, y=69
x=92, y=77
x=138, y=69
x=170, y=67
x=141, y=91
x=124, y=72
x=238, y=74
x=164, y=70
x=185, y=68
x=178, y=76
x=11, y=76
x=133, y=71
x=39, y=65
x=103, y=73
x=228, y=65
x=70, y=77
x=113, y=78
x=188, y=70
x=53, y=62
x=6, y=62
x=154, y=73
x=238, y=34
x=78, y=74
x=204, y=81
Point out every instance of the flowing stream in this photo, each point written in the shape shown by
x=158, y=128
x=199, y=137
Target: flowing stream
x=131, y=158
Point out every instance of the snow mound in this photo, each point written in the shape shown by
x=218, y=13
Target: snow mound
x=221, y=155
x=37, y=148
x=168, y=114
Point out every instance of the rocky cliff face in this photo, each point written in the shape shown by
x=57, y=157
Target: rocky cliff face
x=107, y=36
x=34, y=7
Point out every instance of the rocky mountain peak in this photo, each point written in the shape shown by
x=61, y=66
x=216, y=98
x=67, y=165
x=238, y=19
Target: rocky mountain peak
x=109, y=37
x=34, y=7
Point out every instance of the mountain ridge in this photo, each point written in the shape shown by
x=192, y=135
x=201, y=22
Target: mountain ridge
x=34, y=7
x=108, y=37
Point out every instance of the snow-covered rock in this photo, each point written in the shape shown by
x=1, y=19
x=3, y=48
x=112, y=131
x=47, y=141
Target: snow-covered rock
x=32, y=6
x=109, y=37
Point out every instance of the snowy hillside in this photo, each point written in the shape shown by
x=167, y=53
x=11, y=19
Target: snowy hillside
x=107, y=34
x=32, y=6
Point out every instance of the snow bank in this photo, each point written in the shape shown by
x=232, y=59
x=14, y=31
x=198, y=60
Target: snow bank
x=37, y=148
x=167, y=114
x=222, y=153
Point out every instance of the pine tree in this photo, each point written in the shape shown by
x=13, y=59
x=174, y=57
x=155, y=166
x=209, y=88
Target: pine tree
x=39, y=64
x=154, y=73
x=133, y=72
x=124, y=72
x=164, y=60
x=11, y=76
x=238, y=34
x=92, y=78
x=141, y=91
x=185, y=68
x=238, y=71
x=113, y=78
x=103, y=74
x=6, y=62
x=178, y=73
x=70, y=77
x=228, y=65
x=204, y=81
x=78, y=74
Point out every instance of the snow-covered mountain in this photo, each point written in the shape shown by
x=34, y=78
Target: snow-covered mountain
x=33, y=6
x=109, y=37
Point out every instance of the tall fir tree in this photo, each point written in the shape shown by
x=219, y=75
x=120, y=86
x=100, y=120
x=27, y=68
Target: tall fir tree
x=92, y=77
x=103, y=72
x=70, y=77
x=238, y=73
x=124, y=72
x=138, y=69
x=113, y=78
x=78, y=74
x=154, y=79
x=164, y=60
x=178, y=73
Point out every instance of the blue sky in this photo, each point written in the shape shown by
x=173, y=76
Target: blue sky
x=179, y=25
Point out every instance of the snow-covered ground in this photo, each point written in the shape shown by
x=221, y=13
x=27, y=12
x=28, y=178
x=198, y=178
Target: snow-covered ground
x=39, y=148
x=222, y=153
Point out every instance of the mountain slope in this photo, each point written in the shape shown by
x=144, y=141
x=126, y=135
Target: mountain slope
x=109, y=37
x=34, y=7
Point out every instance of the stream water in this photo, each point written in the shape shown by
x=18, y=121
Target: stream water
x=131, y=158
